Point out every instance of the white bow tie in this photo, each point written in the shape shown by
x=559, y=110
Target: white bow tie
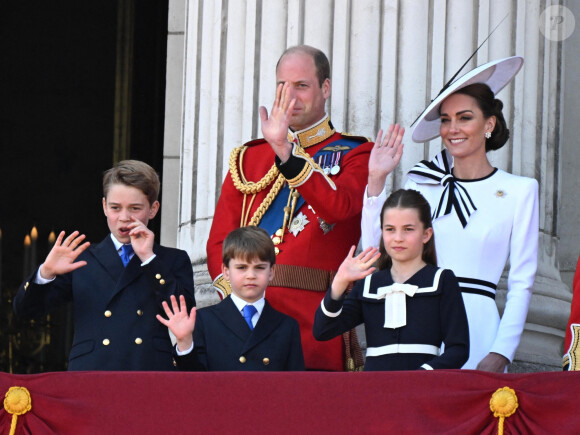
x=395, y=306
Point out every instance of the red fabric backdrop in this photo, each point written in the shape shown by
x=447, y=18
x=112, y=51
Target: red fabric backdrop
x=451, y=401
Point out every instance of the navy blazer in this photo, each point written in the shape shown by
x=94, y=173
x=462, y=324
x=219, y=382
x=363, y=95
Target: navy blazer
x=224, y=342
x=114, y=307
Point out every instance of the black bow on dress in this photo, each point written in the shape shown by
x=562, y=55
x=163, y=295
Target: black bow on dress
x=454, y=196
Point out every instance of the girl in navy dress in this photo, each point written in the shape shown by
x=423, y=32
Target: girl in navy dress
x=412, y=310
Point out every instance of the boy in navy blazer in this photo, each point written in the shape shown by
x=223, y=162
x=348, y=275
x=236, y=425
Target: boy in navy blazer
x=243, y=332
x=116, y=286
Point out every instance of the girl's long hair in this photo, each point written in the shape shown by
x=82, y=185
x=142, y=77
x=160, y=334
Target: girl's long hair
x=408, y=199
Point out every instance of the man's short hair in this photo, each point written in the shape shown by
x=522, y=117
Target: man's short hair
x=320, y=60
x=133, y=173
x=248, y=243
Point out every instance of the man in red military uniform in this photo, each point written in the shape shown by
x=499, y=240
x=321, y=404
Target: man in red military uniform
x=571, y=360
x=304, y=184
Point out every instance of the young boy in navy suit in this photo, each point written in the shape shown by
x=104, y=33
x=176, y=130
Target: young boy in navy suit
x=242, y=332
x=116, y=286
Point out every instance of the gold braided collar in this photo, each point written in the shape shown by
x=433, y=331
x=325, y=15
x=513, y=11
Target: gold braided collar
x=313, y=135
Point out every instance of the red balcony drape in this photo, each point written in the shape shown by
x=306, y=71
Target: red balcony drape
x=447, y=401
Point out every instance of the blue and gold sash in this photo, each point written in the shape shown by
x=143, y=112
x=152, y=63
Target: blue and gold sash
x=327, y=157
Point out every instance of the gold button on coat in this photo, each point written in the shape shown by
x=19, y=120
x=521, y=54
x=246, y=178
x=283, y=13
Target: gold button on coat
x=138, y=340
x=108, y=313
x=106, y=341
x=139, y=312
x=158, y=276
x=242, y=359
x=266, y=361
x=161, y=281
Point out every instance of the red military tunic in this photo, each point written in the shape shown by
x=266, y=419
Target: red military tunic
x=571, y=359
x=318, y=234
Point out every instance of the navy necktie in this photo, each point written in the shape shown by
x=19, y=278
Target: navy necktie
x=248, y=312
x=126, y=251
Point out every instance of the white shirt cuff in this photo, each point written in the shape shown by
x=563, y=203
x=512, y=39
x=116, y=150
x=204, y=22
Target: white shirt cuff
x=40, y=280
x=372, y=199
x=185, y=352
x=149, y=260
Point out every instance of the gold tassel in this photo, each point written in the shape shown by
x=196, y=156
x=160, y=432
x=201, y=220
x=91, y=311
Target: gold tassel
x=295, y=195
x=17, y=402
x=503, y=403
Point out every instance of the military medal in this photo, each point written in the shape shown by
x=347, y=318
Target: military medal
x=326, y=164
x=322, y=164
x=326, y=168
x=298, y=224
x=324, y=226
x=336, y=168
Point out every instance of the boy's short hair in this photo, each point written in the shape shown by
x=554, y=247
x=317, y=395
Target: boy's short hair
x=133, y=173
x=248, y=243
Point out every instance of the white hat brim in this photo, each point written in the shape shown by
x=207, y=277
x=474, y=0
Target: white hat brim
x=496, y=74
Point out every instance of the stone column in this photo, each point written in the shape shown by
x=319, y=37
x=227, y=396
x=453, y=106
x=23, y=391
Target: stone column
x=538, y=103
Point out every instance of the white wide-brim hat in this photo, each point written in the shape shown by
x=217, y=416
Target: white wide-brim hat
x=496, y=74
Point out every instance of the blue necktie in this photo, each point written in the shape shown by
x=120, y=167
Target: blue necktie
x=248, y=312
x=126, y=252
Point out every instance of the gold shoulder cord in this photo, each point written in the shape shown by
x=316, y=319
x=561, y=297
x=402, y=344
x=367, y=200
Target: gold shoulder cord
x=252, y=188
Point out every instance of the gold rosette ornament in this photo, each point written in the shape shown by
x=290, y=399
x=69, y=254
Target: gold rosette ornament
x=17, y=402
x=503, y=403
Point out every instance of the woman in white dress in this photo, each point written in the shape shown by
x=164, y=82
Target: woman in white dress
x=482, y=215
